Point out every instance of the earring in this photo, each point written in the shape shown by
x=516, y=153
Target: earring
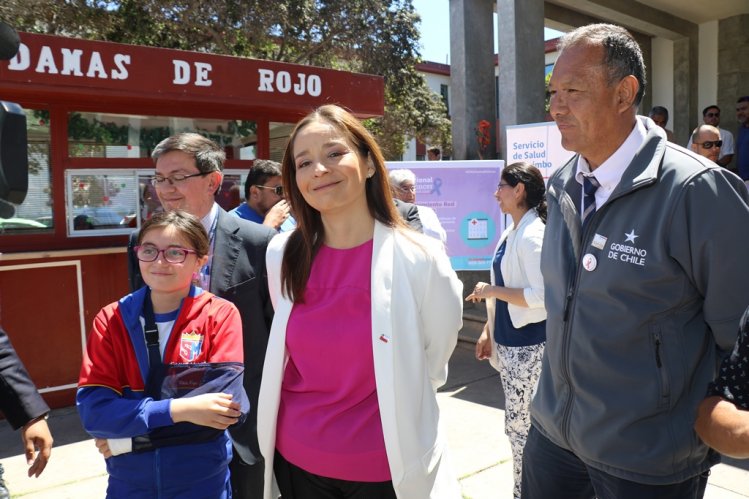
x=194, y=277
x=370, y=174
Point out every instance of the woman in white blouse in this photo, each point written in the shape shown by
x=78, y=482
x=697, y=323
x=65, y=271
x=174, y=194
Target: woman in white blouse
x=515, y=332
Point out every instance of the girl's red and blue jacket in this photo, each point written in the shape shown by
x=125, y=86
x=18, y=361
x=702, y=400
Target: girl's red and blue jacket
x=112, y=403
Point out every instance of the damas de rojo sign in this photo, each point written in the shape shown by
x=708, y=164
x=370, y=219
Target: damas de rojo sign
x=155, y=72
x=90, y=64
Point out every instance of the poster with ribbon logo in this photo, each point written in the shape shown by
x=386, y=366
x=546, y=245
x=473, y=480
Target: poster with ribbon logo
x=461, y=193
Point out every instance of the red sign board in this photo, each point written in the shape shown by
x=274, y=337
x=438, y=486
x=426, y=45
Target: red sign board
x=63, y=69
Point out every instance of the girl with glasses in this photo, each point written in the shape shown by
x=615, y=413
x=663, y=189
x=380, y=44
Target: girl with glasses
x=367, y=316
x=161, y=379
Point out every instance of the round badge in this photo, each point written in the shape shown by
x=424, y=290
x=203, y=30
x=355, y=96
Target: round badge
x=589, y=262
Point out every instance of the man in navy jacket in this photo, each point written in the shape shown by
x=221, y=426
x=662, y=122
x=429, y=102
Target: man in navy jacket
x=24, y=408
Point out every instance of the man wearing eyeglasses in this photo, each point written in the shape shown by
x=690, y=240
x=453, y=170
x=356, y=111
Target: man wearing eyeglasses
x=189, y=172
x=264, y=200
x=403, y=185
x=705, y=141
x=711, y=116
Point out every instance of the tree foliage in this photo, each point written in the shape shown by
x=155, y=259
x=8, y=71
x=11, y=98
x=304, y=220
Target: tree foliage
x=371, y=36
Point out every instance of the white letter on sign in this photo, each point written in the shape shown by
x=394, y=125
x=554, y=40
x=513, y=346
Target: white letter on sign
x=46, y=62
x=314, y=85
x=71, y=62
x=181, y=72
x=22, y=60
x=299, y=85
x=266, y=80
x=201, y=74
x=283, y=82
x=121, y=61
x=96, y=67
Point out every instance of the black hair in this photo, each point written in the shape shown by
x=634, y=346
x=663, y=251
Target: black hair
x=659, y=111
x=261, y=171
x=525, y=173
x=622, y=55
x=712, y=106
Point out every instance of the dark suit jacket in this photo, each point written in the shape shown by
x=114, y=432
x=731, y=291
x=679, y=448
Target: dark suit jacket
x=19, y=400
x=410, y=214
x=238, y=275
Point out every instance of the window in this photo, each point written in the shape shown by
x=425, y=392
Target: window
x=102, y=135
x=35, y=213
x=231, y=193
x=444, y=92
x=100, y=202
x=279, y=137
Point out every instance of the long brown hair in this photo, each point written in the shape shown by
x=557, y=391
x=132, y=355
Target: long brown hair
x=305, y=241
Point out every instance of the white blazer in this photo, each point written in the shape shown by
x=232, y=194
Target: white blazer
x=417, y=310
x=521, y=268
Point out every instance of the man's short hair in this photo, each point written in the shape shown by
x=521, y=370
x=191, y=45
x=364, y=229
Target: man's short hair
x=261, y=171
x=744, y=98
x=659, y=111
x=711, y=106
x=435, y=150
x=699, y=129
x=622, y=55
x=209, y=157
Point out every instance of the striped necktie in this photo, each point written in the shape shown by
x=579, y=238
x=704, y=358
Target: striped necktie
x=590, y=186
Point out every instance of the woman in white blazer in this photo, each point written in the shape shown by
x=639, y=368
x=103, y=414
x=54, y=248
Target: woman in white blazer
x=515, y=332
x=367, y=314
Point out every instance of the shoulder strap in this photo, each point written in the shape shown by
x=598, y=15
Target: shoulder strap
x=152, y=342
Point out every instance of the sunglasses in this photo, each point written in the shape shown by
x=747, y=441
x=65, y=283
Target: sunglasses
x=278, y=190
x=713, y=115
x=708, y=144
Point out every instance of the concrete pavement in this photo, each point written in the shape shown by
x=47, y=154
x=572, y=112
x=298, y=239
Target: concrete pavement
x=472, y=403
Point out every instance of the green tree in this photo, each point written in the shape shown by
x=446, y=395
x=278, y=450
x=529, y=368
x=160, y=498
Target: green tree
x=371, y=36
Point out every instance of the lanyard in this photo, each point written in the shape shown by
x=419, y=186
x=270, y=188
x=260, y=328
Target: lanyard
x=204, y=274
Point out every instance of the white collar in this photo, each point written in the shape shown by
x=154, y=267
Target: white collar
x=210, y=218
x=610, y=172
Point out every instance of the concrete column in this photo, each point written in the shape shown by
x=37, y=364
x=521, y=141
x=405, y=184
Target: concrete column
x=685, y=87
x=521, y=64
x=733, y=68
x=472, y=74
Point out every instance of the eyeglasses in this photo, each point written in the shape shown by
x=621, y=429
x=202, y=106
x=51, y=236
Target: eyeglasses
x=410, y=188
x=500, y=185
x=712, y=115
x=173, y=254
x=277, y=190
x=708, y=144
x=158, y=180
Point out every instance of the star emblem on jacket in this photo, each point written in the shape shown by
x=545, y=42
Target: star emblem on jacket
x=631, y=236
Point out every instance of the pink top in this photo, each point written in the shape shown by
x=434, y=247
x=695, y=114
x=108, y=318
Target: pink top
x=329, y=417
